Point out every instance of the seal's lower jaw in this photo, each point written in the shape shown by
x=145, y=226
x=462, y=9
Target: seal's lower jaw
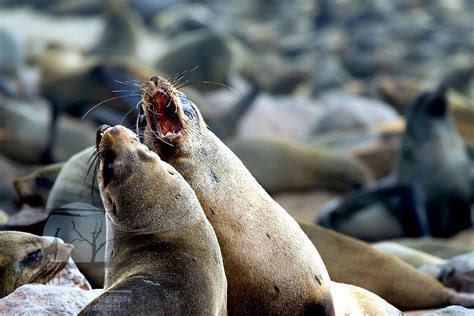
x=163, y=115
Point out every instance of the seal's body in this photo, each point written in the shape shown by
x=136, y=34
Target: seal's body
x=430, y=193
x=285, y=165
x=355, y=262
x=434, y=158
x=162, y=254
x=27, y=258
x=271, y=265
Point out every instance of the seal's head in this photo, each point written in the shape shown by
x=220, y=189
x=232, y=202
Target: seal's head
x=167, y=117
x=141, y=193
x=429, y=107
x=27, y=258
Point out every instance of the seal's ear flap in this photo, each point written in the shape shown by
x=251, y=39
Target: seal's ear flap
x=437, y=103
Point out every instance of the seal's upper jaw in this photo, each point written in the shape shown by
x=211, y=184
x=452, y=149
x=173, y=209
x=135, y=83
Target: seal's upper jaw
x=163, y=110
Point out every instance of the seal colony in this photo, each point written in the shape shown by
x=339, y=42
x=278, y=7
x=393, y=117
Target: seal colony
x=161, y=251
x=27, y=258
x=401, y=285
x=271, y=265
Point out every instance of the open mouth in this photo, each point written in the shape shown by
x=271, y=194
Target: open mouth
x=162, y=110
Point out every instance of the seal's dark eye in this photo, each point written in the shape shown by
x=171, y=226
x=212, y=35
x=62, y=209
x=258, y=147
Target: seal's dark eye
x=108, y=166
x=32, y=258
x=187, y=107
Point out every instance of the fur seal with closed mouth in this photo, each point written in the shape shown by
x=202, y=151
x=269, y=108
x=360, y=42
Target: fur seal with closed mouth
x=162, y=253
x=271, y=265
x=434, y=157
x=430, y=193
x=27, y=258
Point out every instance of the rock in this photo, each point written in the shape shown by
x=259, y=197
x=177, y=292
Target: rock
x=345, y=112
x=70, y=276
x=453, y=310
x=39, y=299
x=458, y=273
x=287, y=116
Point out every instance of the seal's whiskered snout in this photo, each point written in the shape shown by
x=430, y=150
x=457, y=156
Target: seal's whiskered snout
x=162, y=109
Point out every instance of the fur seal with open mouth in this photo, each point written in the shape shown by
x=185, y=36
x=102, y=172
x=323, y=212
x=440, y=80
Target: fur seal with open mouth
x=271, y=265
x=27, y=258
x=162, y=253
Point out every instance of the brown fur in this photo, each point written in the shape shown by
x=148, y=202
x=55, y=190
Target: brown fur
x=18, y=268
x=282, y=165
x=271, y=265
x=161, y=250
x=355, y=262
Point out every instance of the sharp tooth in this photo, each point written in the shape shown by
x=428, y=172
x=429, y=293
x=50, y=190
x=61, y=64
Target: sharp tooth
x=168, y=134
